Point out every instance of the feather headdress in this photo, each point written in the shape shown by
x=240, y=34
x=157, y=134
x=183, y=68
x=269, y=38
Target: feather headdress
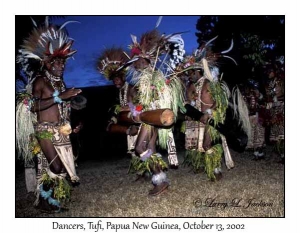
x=204, y=58
x=43, y=44
x=148, y=45
x=152, y=44
x=112, y=63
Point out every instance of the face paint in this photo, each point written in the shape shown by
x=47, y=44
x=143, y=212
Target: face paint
x=118, y=82
x=57, y=67
x=141, y=64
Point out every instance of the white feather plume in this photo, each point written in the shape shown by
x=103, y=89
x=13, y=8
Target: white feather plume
x=158, y=21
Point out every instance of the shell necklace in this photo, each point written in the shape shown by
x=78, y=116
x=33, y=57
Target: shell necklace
x=58, y=84
x=123, y=98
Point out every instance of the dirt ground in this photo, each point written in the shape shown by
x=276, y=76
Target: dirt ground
x=251, y=189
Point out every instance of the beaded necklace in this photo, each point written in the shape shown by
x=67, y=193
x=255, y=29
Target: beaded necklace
x=199, y=85
x=123, y=99
x=58, y=84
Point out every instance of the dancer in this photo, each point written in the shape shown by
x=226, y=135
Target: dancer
x=111, y=64
x=205, y=140
x=43, y=126
x=155, y=94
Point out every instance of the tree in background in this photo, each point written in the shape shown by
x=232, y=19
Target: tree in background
x=257, y=39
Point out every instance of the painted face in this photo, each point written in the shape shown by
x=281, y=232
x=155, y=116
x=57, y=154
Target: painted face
x=118, y=82
x=194, y=75
x=191, y=93
x=141, y=64
x=56, y=66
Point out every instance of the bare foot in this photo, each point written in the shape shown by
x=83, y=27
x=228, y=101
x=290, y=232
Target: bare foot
x=158, y=189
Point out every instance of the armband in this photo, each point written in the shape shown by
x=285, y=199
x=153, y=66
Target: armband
x=56, y=98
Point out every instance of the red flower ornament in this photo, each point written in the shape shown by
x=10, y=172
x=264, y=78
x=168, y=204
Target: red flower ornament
x=139, y=108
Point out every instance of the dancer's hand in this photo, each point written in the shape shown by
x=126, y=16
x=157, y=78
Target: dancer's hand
x=125, y=108
x=69, y=93
x=77, y=128
x=133, y=130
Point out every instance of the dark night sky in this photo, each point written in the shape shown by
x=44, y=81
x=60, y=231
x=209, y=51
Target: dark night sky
x=94, y=33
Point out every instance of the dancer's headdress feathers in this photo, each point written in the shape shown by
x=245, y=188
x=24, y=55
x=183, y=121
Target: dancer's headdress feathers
x=43, y=44
x=111, y=63
x=204, y=58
